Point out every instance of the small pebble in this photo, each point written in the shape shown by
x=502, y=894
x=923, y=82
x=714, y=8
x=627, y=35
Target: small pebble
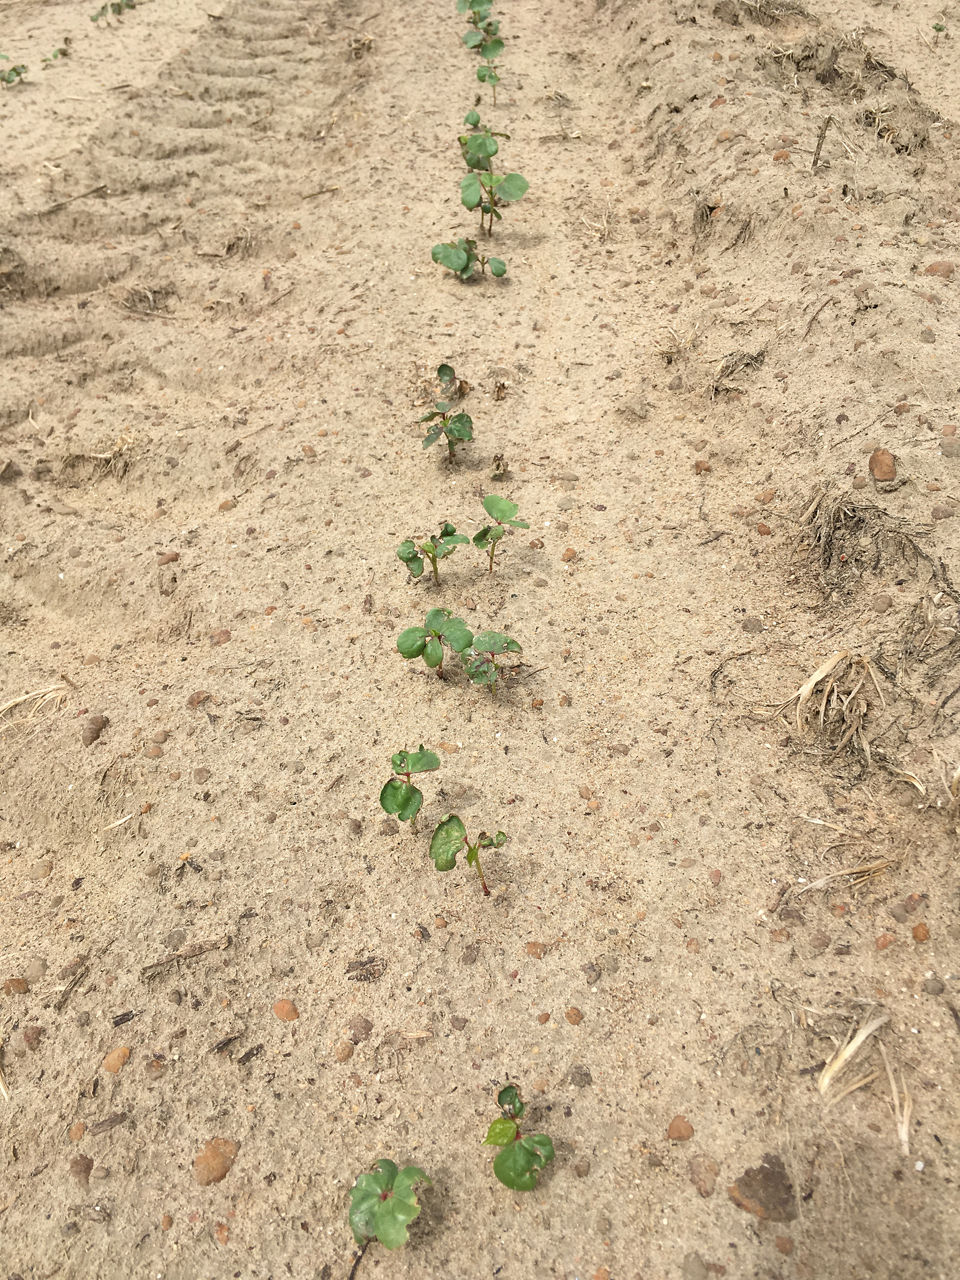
x=215, y=1160
x=680, y=1129
x=573, y=1016
x=286, y=1010
x=344, y=1051
x=116, y=1059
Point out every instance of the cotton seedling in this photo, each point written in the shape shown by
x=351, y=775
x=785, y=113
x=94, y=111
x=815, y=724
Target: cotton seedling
x=454, y=388
x=481, y=145
x=61, y=52
x=450, y=838
x=487, y=71
x=504, y=514
x=489, y=191
x=480, y=657
x=417, y=553
x=483, y=27
x=399, y=796
x=521, y=1156
x=116, y=9
x=440, y=629
x=384, y=1203
x=461, y=257
x=12, y=75
x=456, y=428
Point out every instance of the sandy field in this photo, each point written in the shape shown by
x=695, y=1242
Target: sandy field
x=721, y=952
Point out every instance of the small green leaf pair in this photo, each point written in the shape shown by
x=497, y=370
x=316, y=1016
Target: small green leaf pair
x=461, y=257
x=478, y=147
x=480, y=662
x=450, y=838
x=489, y=191
x=440, y=628
x=504, y=513
x=384, y=1203
x=487, y=74
x=399, y=796
x=416, y=554
x=12, y=75
x=522, y=1156
x=115, y=7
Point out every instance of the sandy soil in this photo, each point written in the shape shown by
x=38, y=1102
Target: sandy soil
x=219, y=323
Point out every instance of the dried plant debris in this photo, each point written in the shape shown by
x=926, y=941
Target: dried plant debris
x=840, y=702
x=929, y=638
x=767, y=12
x=114, y=460
x=848, y=539
x=734, y=363
x=845, y=1054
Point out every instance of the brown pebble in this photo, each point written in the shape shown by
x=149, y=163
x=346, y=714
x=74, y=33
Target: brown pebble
x=784, y=1245
x=700, y=466
x=581, y=1168
x=286, y=1010
x=168, y=557
x=160, y=736
x=360, y=1029
x=882, y=465
x=920, y=932
x=716, y=875
x=222, y=636
x=680, y=1129
x=16, y=987
x=116, y=1059
x=77, y=1130
x=943, y=512
x=536, y=949
x=885, y=940
x=882, y=602
x=93, y=728
x=227, y=504
x=933, y=986
x=155, y=1068
x=457, y=1022
x=166, y=1222
x=569, y=555
x=703, y=1174
x=764, y=529
x=543, y=1018
x=80, y=1167
x=91, y=660
x=197, y=698
x=344, y=1051
x=32, y=1036
x=944, y=269
x=860, y=482
x=574, y=1016
x=215, y=1160
x=153, y=752
x=201, y=774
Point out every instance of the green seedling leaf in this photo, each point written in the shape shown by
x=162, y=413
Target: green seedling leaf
x=472, y=118
x=383, y=1204
x=433, y=653
x=497, y=266
x=503, y=510
x=401, y=798
x=500, y=1133
x=471, y=191
x=458, y=636
x=518, y=1165
x=487, y=75
x=472, y=39
x=508, y=1100
x=494, y=642
x=489, y=534
x=421, y=761
x=492, y=842
x=447, y=841
x=445, y=373
x=412, y=642
x=512, y=186
x=448, y=255
x=460, y=427
x=491, y=50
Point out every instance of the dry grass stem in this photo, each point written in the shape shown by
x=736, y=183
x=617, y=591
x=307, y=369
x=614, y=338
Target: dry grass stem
x=40, y=699
x=902, y=1112
x=848, y=1051
x=859, y=874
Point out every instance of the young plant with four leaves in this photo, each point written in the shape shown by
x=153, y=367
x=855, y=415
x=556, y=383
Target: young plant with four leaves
x=504, y=513
x=416, y=553
x=461, y=256
x=480, y=659
x=521, y=1155
x=454, y=427
x=450, y=838
x=384, y=1203
x=440, y=629
x=399, y=796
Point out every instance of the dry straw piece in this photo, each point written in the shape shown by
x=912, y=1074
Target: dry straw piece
x=845, y=1055
x=40, y=698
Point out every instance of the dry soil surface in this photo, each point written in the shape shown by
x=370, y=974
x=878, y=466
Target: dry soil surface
x=720, y=380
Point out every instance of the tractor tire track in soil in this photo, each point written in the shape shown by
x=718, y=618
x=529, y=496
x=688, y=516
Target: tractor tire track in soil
x=721, y=380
